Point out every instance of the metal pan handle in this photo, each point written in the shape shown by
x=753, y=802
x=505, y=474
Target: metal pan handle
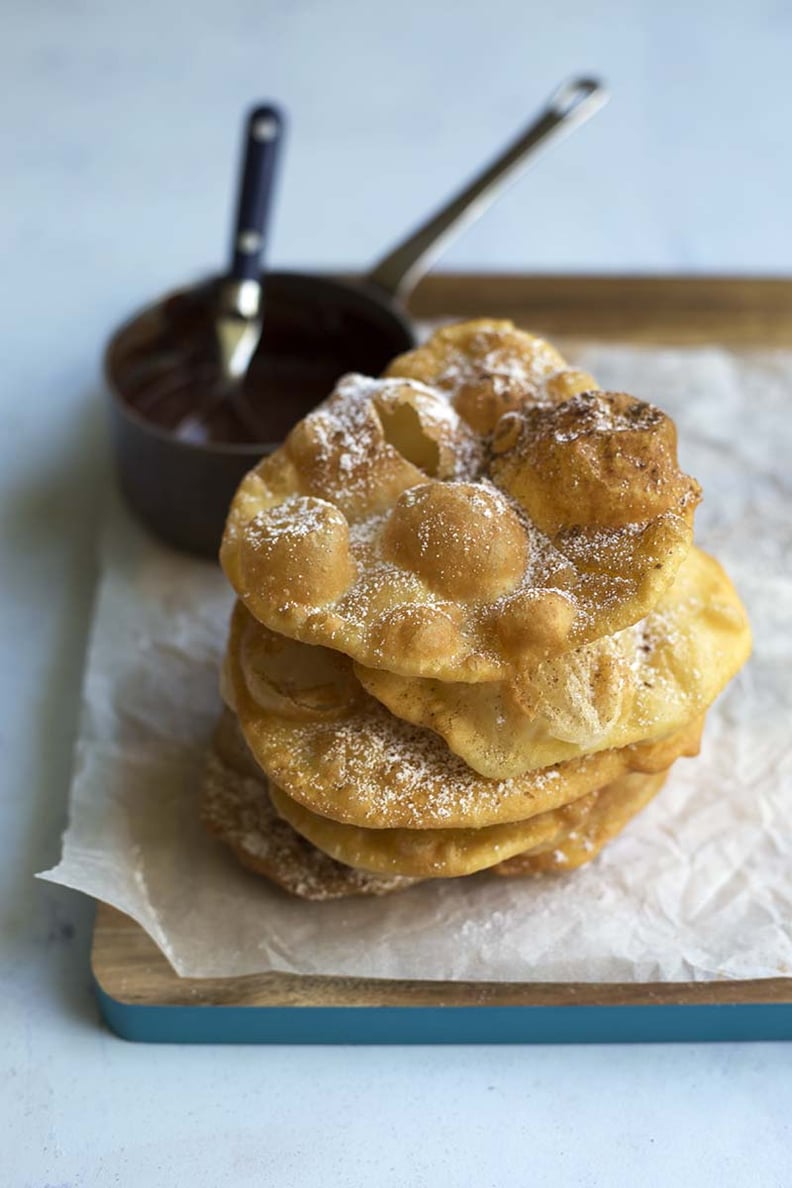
x=570, y=105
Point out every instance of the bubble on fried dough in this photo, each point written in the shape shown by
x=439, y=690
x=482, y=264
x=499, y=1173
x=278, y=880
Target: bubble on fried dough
x=464, y=540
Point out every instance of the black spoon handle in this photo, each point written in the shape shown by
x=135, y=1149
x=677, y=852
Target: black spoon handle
x=263, y=136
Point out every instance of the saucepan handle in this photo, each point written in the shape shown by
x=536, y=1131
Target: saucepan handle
x=570, y=105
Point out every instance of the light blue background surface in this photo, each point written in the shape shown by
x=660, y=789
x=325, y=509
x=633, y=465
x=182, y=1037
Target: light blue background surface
x=117, y=136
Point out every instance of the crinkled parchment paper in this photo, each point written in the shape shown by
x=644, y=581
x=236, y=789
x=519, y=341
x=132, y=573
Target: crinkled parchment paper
x=698, y=887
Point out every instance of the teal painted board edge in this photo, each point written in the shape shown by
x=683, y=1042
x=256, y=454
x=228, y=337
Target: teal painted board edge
x=446, y=1025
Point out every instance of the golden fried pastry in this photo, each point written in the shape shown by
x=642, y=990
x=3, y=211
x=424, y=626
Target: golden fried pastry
x=642, y=683
x=606, y=815
x=471, y=632
x=449, y=853
x=489, y=368
x=391, y=528
x=359, y=764
x=236, y=808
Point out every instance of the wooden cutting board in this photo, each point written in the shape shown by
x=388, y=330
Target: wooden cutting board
x=142, y=998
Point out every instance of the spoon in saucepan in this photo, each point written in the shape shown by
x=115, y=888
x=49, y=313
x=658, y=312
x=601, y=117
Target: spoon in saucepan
x=240, y=293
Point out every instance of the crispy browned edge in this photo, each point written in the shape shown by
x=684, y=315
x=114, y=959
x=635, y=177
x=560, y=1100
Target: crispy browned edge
x=734, y=311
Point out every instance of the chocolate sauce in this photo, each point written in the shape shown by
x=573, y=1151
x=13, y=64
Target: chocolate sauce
x=162, y=371
x=172, y=378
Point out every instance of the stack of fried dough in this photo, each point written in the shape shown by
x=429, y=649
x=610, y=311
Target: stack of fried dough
x=472, y=631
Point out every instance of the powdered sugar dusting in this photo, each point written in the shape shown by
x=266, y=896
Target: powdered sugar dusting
x=237, y=808
x=368, y=451
x=504, y=367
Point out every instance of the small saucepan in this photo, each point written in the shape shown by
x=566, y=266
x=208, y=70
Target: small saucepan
x=312, y=329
